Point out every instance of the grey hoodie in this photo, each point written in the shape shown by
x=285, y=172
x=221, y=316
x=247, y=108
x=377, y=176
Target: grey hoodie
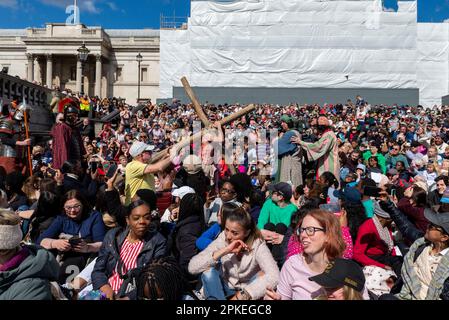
x=31, y=279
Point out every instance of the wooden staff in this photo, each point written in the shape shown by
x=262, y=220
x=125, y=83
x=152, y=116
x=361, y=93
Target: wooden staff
x=196, y=104
x=27, y=136
x=158, y=156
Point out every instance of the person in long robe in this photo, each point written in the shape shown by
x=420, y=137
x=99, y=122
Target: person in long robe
x=67, y=142
x=325, y=150
x=290, y=156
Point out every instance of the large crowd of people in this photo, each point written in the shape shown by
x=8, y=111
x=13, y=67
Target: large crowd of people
x=346, y=201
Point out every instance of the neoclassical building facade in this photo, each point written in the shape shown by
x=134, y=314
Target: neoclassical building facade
x=49, y=56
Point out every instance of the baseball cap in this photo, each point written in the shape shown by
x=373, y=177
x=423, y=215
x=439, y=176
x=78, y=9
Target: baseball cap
x=283, y=188
x=183, y=191
x=438, y=219
x=138, y=148
x=362, y=167
x=339, y=273
x=349, y=194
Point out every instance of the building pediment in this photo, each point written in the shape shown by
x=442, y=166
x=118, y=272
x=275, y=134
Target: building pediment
x=66, y=39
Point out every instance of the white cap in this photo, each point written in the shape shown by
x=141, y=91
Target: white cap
x=138, y=148
x=183, y=191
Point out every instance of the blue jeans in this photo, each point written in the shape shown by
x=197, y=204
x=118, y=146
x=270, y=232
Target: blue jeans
x=214, y=287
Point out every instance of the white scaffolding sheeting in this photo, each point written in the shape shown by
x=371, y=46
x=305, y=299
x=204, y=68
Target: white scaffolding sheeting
x=433, y=62
x=306, y=44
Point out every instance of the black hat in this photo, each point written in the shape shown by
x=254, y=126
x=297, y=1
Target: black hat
x=339, y=273
x=284, y=189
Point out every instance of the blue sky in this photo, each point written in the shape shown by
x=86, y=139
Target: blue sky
x=132, y=14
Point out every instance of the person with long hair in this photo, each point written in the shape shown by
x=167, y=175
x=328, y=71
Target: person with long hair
x=189, y=227
x=320, y=235
x=46, y=212
x=342, y=280
x=163, y=279
x=238, y=265
x=413, y=205
x=214, y=231
x=330, y=184
x=77, y=234
x=125, y=249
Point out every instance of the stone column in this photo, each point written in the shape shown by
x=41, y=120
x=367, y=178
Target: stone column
x=30, y=70
x=79, y=74
x=49, y=71
x=38, y=70
x=98, y=75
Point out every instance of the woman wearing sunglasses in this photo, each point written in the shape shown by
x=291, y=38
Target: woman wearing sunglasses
x=320, y=235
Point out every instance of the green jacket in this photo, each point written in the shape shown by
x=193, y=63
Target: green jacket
x=271, y=212
x=412, y=285
x=380, y=159
x=31, y=279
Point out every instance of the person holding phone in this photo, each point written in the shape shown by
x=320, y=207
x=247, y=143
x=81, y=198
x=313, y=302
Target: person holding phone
x=75, y=235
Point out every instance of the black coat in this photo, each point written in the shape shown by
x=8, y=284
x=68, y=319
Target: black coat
x=88, y=131
x=109, y=256
x=407, y=228
x=182, y=241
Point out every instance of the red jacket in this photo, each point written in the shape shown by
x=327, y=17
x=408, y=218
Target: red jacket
x=415, y=214
x=369, y=243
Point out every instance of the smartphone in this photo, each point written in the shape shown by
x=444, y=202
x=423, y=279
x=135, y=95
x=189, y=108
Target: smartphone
x=393, y=193
x=93, y=166
x=372, y=191
x=111, y=171
x=74, y=241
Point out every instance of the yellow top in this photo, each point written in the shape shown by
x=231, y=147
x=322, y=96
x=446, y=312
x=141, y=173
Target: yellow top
x=136, y=179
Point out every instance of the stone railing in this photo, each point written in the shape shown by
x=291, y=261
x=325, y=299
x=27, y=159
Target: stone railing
x=37, y=97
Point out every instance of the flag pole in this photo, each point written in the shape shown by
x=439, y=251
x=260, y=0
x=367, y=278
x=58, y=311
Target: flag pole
x=76, y=13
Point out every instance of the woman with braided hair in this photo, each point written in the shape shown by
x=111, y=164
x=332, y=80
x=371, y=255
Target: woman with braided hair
x=163, y=279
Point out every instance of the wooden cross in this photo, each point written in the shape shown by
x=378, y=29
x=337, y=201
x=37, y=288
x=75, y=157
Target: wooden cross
x=200, y=112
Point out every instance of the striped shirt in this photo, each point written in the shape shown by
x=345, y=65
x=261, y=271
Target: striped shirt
x=128, y=254
x=325, y=151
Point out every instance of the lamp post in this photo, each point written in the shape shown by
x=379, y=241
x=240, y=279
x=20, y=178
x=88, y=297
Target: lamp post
x=83, y=54
x=139, y=59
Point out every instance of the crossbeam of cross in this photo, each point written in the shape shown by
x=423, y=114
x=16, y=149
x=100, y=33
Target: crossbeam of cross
x=207, y=124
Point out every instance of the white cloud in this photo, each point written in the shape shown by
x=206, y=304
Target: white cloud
x=9, y=3
x=90, y=6
x=112, y=6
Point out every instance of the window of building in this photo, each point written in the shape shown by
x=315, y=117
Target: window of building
x=73, y=73
x=119, y=74
x=144, y=74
